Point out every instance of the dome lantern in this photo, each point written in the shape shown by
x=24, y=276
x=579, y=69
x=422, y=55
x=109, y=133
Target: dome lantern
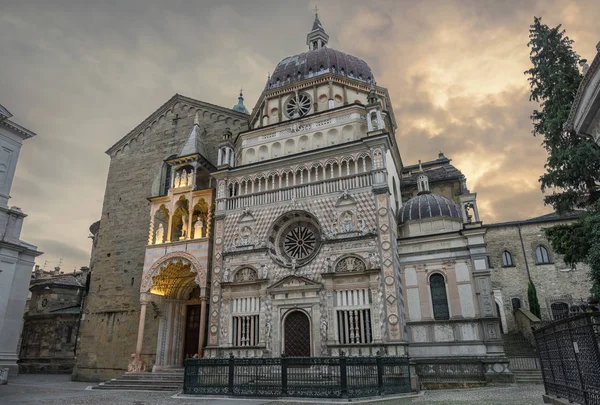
x=317, y=38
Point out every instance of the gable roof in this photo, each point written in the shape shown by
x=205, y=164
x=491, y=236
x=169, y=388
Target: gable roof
x=4, y=113
x=177, y=98
x=551, y=217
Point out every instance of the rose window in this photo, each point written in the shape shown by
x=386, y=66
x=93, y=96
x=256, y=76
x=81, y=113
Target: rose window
x=295, y=239
x=300, y=242
x=298, y=106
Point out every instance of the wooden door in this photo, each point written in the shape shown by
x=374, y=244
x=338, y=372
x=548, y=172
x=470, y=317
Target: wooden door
x=297, y=335
x=192, y=330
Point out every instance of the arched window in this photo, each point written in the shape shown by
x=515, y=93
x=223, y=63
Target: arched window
x=516, y=303
x=541, y=255
x=439, y=300
x=507, y=260
x=560, y=310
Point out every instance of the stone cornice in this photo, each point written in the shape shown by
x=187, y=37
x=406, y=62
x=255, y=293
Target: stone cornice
x=166, y=106
x=17, y=129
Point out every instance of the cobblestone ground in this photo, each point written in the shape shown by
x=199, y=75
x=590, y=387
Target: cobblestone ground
x=58, y=389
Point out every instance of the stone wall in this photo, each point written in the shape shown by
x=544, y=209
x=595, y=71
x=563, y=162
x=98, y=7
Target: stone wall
x=110, y=320
x=555, y=281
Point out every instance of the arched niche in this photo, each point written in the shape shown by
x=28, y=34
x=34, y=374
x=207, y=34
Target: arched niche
x=179, y=222
x=263, y=152
x=333, y=137
x=290, y=146
x=318, y=140
x=348, y=133
x=303, y=143
x=250, y=155
x=161, y=225
x=276, y=150
x=199, y=219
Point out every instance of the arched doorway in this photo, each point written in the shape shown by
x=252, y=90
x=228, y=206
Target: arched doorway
x=297, y=334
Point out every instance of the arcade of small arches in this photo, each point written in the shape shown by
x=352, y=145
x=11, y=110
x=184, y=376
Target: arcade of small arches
x=178, y=222
x=303, y=143
x=302, y=174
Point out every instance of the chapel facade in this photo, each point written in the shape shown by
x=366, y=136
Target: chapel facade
x=284, y=232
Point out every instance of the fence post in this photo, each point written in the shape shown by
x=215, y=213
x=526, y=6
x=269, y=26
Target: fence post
x=343, y=375
x=583, y=390
x=231, y=373
x=379, y=373
x=284, y=367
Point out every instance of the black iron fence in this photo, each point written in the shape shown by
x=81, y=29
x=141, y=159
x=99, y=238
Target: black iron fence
x=570, y=358
x=315, y=377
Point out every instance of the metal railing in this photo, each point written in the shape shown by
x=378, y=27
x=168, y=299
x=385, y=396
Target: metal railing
x=311, y=377
x=570, y=358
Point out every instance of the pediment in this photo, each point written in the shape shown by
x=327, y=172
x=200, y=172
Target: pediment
x=295, y=283
x=167, y=111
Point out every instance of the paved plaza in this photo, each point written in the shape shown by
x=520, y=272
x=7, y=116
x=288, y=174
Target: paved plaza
x=58, y=389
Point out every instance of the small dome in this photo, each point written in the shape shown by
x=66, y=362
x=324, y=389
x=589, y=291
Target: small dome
x=240, y=107
x=428, y=205
x=317, y=62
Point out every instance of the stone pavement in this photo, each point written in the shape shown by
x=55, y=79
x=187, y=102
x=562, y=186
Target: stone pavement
x=59, y=390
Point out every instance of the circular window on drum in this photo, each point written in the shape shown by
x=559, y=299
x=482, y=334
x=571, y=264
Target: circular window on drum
x=295, y=239
x=297, y=105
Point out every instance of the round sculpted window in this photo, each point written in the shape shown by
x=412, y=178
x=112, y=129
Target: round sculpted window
x=295, y=239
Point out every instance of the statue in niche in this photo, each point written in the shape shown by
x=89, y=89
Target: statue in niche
x=226, y=274
x=177, y=180
x=346, y=222
x=264, y=273
x=160, y=234
x=198, y=229
x=328, y=265
x=184, y=178
x=184, y=227
x=190, y=178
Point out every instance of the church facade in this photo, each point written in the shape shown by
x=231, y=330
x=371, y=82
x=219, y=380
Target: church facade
x=284, y=232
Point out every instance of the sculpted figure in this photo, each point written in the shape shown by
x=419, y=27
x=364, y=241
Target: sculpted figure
x=136, y=365
x=346, y=224
x=263, y=271
x=190, y=178
x=177, y=180
x=184, y=227
x=160, y=234
x=362, y=226
x=226, y=275
x=198, y=229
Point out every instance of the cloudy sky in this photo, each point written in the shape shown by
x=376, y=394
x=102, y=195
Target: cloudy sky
x=81, y=74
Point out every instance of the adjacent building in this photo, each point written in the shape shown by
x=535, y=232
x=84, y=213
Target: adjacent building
x=519, y=252
x=584, y=117
x=16, y=256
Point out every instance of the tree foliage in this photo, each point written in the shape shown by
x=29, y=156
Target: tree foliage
x=534, y=304
x=573, y=164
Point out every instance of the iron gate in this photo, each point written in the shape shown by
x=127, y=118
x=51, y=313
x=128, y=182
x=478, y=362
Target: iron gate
x=570, y=358
x=316, y=377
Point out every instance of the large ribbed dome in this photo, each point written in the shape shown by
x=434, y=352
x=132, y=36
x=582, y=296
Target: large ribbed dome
x=317, y=62
x=427, y=206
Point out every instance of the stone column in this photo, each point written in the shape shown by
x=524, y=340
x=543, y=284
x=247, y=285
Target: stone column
x=345, y=95
x=331, y=102
x=219, y=157
x=140, y=337
x=202, y=326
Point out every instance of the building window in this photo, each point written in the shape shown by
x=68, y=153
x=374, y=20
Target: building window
x=353, y=316
x=245, y=330
x=245, y=325
x=507, y=260
x=439, y=299
x=354, y=326
x=560, y=310
x=541, y=255
x=516, y=303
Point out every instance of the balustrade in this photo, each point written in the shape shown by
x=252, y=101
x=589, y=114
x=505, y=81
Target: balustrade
x=316, y=188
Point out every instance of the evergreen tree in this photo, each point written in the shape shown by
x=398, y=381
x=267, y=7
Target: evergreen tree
x=573, y=164
x=534, y=304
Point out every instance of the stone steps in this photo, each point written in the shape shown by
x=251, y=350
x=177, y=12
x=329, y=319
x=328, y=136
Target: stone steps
x=528, y=376
x=158, y=381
